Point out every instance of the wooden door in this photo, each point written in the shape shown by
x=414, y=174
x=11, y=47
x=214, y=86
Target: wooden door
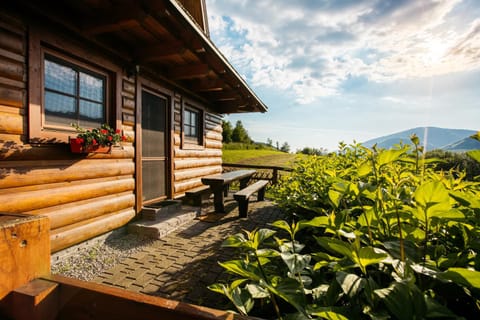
x=154, y=147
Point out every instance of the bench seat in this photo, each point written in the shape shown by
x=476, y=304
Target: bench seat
x=198, y=194
x=244, y=195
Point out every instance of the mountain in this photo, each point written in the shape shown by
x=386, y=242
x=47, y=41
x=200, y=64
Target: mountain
x=436, y=138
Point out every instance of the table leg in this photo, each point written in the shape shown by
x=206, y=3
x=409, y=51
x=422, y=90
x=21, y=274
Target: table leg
x=218, y=198
x=244, y=182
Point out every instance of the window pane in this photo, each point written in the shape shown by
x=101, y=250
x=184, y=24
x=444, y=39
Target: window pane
x=60, y=78
x=91, y=87
x=186, y=117
x=91, y=111
x=193, y=122
x=59, y=109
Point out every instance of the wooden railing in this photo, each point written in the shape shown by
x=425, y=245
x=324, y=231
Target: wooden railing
x=271, y=173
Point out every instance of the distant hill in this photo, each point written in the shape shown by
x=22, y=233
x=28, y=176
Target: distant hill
x=437, y=138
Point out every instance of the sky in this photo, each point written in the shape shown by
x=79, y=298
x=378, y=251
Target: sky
x=352, y=70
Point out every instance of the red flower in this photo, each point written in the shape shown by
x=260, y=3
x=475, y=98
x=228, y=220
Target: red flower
x=117, y=131
x=124, y=138
x=104, y=131
x=80, y=140
x=110, y=138
x=94, y=141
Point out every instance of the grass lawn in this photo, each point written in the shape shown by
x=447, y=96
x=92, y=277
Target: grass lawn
x=259, y=157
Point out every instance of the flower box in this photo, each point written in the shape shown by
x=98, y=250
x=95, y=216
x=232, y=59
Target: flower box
x=76, y=146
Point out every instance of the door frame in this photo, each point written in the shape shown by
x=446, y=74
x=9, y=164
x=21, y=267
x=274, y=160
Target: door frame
x=153, y=88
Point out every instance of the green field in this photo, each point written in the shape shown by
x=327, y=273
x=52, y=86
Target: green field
x=259, y=157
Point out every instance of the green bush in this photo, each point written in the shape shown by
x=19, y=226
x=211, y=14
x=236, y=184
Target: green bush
x=372, y=234
x=455, y=160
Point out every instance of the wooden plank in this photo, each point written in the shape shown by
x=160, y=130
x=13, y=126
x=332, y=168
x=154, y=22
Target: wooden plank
x=27, y=199
x=189, y=71
x=88, y=300
x=206, y=153
x=77, y=211
x=160, y=51
x=213, y=144
x=72, y=234
x=24, y=250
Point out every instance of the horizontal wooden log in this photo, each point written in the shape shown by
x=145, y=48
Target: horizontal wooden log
x=213, y=117
x=11, y=41
x=211, y=144
x=176, y=139
x=185, y=185
x=213, y=135
x=180, y=175
x=194, y=163
x=12, y=69
x=206, y=153
x=181, y=187
x=11, y=97
x=213, y=126
x=14, y=84
x=11, y=123
x=74, y=212
x=24, y=173
x=64, y=237
x=12, y=148
x=30, y=198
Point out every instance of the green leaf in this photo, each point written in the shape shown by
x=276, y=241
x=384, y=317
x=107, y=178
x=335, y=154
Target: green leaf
x=242, y=300
x=327, y=313
x=432, y=193
x=289, y=290
x=295, y=262
x=387, y=156
x=242, y=269
x=465, y=277
x=364, y=169
x=267, y=253
x=450, y=214
x=351, y=283
x=257, y=291
x=259, y=236
x=397, y=299
x=335, y=245
x=282, y=224
x=474, y=154
x=335, y=197
x=235, y=241
x=319, y=221
x=368, y=256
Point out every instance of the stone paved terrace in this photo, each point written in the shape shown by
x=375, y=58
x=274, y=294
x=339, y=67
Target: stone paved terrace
x=182, y=264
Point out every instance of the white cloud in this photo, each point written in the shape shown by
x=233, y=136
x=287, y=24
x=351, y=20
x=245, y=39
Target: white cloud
x=311, y=48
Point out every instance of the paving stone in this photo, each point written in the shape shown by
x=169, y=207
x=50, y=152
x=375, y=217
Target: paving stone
x=183, y=263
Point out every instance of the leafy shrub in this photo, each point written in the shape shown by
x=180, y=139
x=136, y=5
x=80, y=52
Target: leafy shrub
x=455, y=160
x=372, y=234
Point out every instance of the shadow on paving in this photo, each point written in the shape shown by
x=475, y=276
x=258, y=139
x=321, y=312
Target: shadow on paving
x=181, y=265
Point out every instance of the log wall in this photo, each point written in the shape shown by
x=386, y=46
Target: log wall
x=83, y=195
x=191, y=164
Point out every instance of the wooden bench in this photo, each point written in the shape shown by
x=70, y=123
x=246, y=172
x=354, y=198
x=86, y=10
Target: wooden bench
x=243, y=196
x=198, y=194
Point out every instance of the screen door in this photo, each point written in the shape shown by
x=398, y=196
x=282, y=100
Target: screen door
x=154, y=155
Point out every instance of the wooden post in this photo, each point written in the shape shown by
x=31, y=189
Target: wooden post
x=275, y=176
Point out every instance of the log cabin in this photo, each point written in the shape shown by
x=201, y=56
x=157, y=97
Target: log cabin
x=145, y=67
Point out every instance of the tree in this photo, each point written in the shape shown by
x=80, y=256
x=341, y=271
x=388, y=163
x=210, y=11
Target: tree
x=227, y=131
x=239, y=133
x=285, y=147
x=269, y=142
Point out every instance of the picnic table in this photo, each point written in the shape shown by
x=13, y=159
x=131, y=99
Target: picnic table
x=220, y=182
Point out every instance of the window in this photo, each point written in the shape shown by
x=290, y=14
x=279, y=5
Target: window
x=192, y=126
x=73, y=95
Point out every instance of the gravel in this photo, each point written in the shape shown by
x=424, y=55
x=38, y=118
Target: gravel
x=89, y=261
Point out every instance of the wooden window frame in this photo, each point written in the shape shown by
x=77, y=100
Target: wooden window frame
x=42, y=44
x=191, y=142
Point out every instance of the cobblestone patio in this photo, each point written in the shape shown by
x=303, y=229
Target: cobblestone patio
x=182, y=264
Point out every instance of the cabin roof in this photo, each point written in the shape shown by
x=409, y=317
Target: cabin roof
x=156, y=36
